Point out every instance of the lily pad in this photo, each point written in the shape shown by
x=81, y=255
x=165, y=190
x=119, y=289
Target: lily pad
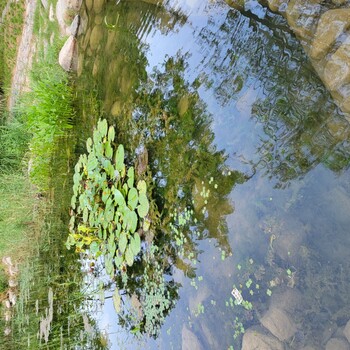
x=133, y=198
x=117, y=300
x=119, y=158
x=143, y=207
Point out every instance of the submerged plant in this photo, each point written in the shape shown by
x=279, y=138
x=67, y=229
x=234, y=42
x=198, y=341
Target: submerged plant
x=108, y=207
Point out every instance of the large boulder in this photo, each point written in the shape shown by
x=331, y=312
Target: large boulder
x=337, y=344
x=330, y=26
x=279, y=323
x=257, y=339
x=190, y=340
x=68, y=56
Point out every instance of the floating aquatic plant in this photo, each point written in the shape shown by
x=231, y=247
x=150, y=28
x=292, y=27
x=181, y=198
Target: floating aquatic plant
x=108, y=207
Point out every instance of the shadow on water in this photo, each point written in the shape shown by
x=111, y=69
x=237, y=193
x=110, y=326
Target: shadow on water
x=216, y=107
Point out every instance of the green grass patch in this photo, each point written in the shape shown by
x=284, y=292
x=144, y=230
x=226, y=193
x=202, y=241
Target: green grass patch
x=48, y=113
x=10, y=33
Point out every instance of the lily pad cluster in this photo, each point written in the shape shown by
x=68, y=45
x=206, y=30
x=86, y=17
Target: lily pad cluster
x=107, y=207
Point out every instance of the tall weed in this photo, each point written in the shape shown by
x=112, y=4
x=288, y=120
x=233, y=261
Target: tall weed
x=48, y=112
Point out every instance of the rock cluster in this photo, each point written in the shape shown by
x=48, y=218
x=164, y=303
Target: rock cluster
x=323, y=29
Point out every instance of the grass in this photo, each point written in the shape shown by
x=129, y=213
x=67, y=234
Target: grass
x=48, y=113
x=10, y=33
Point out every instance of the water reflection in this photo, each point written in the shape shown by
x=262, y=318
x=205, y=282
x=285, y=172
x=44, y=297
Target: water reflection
x=262, y=102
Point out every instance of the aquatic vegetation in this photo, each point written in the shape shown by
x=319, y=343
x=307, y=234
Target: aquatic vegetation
x=109, y=210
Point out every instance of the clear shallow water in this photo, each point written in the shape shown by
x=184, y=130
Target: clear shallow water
x=210, y=93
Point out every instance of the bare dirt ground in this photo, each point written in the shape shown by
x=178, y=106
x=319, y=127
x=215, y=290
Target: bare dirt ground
x=26, y=47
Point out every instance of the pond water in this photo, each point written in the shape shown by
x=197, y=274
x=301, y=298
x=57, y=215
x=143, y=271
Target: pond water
x=241, y=138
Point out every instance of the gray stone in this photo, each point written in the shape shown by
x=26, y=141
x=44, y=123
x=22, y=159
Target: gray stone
x=190, y=340
x=331, y=24
x=337, y=344
x=45, y=4
x=278, y=5
x=347, y=331
x=279, y=323
x=288, y=300
x=68, y=56
x=65, y=10
x=256, y=339
x=74, y=27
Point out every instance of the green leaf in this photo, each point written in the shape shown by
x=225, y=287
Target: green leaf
x=146, y=224
x=102, y=127
x=123, y=241
x=111, y=245
x=133, y=198
x=131, y=177
x=135, y=244
x=142, y=187
x=117, y=300
x=119, y=198
x=129, y=256
x=131, y=221
x=94, y=248
x=119, y=158
x=143, y=207
x=108, y=150
x=89, y=144
x=111, y=134
x=73, y=202
x=92, y=162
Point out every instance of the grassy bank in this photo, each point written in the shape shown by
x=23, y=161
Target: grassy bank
x=10, y=33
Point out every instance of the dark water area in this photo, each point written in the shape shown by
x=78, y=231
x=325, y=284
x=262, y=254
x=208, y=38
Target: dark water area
x=248, y=157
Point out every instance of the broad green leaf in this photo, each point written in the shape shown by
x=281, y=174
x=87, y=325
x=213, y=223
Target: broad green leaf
x=89, y=144
x=94, y=247
x=131, y=221
x=119, y=158
x=142, y=187
x=108, y=150
x=123, y=241
x=143, y=207
x=133, y=198
x=131, y=177
x=105, y=195
x=118, y=260
x=111, y=134
x=117, y=300
x=102, y=127
x=129, y=256
x=92, y=163
x=119, y=198
x=135, y=244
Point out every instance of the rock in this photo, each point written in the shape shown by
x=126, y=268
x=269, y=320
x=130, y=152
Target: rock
x=288, y=300
x=74, y=27
x=190, y=340
x=256, y=339
x=279, y=323
x=287, y=246
x=68, y=56
x=95, y=37
x=98, y=19
x=339, y=2
x=331, y=24
x=347, y=331
x=278, y=5
x=98, y=5
x=308, y=347
x=337, y=69
x=198, y=298
x=116, y=109
x=302, y=16
x=337, y=344
x=88, y=4
x=64, y=13
x=45, y=4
